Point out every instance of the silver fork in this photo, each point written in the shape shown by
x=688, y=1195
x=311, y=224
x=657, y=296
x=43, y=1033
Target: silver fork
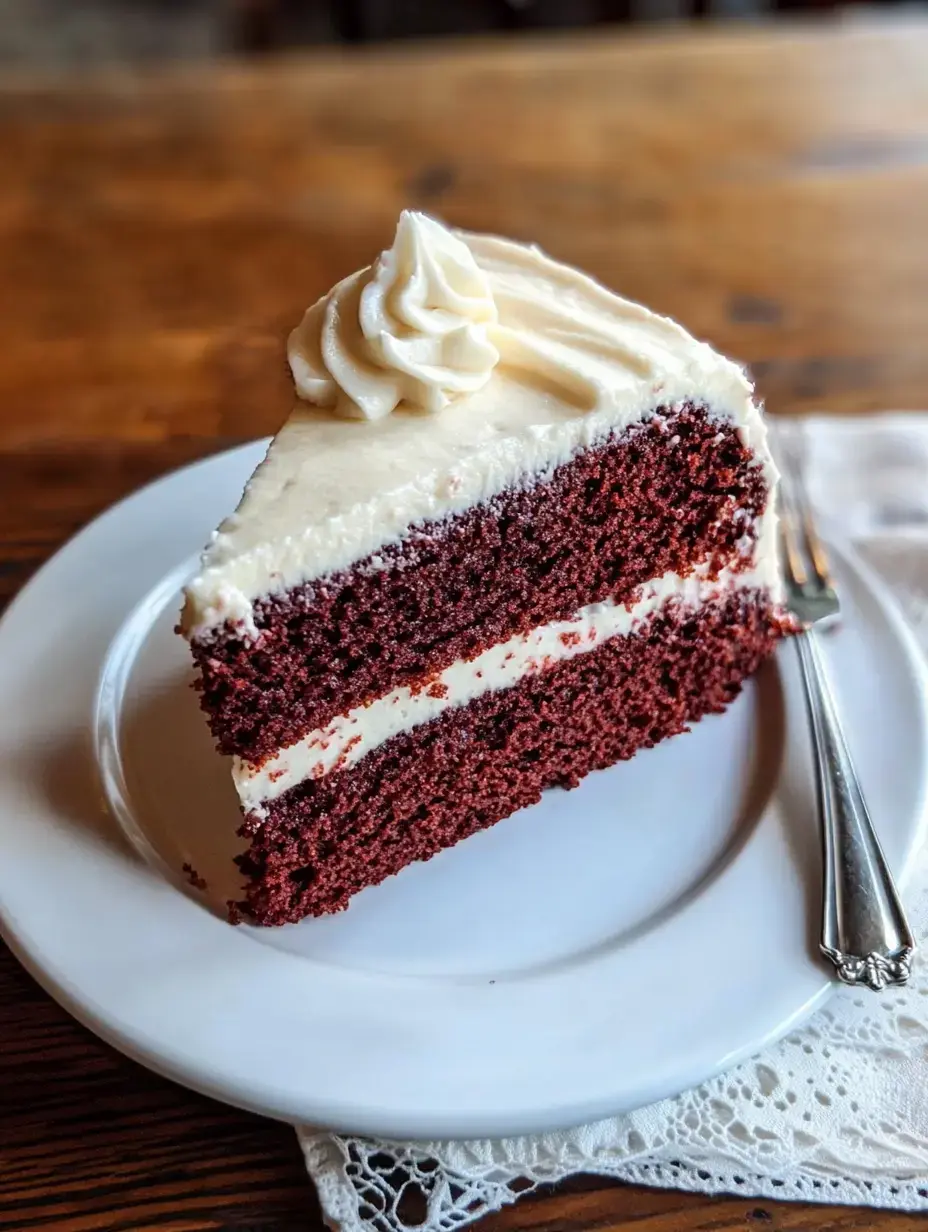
x=864, y=929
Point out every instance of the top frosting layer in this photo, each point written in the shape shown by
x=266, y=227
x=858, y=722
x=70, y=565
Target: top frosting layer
x=453, y=368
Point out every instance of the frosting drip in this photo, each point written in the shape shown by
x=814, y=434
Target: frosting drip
x=411, y=328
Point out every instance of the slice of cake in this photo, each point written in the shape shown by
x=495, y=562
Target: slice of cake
x=518, y=529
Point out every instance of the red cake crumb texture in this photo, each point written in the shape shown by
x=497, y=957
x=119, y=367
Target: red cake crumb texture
x=656, y=498
x=194, y=878
x=425, y=790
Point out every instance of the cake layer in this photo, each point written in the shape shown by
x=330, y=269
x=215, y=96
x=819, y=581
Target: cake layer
x=424, y=790
x=349, y=737
x=680, y=488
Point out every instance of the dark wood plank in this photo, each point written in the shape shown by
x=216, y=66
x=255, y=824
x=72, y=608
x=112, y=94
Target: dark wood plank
x=51, y=490
x=90, y=1140
x=158, y=236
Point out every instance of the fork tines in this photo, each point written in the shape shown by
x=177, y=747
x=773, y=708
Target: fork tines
x=810, y=585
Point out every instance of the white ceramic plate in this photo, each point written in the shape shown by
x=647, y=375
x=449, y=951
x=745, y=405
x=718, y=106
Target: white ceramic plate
x=610, y=946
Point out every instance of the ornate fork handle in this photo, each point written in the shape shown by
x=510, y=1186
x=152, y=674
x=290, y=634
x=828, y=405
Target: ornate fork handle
x=864, y=929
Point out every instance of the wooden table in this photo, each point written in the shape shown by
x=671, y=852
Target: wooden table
x=158, y=236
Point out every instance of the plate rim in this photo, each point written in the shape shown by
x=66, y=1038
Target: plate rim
x=57, y=985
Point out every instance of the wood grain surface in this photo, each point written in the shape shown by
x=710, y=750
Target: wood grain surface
x=159, y=235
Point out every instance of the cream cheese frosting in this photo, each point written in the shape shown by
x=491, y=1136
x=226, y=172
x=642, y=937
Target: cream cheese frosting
x=411, y=329
x=455, y=367
x=349, y=737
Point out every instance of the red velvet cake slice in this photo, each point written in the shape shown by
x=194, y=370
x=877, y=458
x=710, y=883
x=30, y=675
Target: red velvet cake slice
x=517, y=529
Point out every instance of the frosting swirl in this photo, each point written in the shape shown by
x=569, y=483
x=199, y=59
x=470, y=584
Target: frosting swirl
x=411, y=328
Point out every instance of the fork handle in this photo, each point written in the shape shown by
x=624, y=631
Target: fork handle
x=864, y=929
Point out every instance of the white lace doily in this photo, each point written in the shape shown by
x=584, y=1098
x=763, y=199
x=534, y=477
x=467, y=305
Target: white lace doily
x=837, y=1111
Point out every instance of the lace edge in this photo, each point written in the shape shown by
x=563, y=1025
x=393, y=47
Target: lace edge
x=900, y=1195
x=327, y=1158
